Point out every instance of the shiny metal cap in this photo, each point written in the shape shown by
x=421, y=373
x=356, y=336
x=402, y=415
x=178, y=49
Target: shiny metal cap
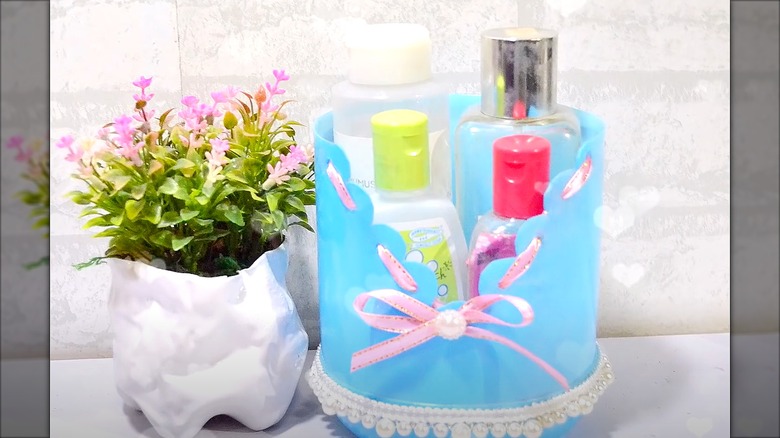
x=519, y=70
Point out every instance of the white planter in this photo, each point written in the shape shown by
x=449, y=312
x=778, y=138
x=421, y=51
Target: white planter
x=187, y=348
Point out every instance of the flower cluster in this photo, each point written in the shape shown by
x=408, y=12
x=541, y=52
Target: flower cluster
x=35, y=157
x=206, y=189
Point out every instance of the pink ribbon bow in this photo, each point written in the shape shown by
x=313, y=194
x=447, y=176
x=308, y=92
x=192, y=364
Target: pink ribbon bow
x=423, y=323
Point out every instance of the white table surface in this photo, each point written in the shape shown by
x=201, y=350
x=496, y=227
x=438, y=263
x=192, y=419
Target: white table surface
x=666, y=386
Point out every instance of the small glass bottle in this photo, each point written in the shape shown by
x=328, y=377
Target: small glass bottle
x=518, y=97
x=521, y=172
x=390, y=68
x=404, y=200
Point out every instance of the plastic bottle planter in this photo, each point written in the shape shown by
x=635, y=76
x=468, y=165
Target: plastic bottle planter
x=519, y=360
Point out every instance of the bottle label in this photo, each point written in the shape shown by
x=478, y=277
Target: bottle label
x=360, y=153
x=428, y=242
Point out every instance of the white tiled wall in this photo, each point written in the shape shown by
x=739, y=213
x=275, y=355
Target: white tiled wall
x=656, y=70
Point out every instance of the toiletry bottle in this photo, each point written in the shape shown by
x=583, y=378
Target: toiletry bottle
x=518, y=70
x=427, y=221
x=390, y=68
x=521, y=172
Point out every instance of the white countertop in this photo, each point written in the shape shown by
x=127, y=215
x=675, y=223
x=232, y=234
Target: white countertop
x=666, y=386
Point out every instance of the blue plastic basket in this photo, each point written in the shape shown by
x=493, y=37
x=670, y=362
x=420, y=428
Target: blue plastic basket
x=469, y=386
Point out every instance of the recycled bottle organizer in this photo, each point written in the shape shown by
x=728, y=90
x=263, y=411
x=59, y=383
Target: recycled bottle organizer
x=521, y=359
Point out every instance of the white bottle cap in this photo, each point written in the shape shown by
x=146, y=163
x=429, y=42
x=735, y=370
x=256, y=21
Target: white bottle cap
x=389, y=54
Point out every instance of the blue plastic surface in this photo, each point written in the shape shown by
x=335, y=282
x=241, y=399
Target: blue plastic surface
x=561, y=285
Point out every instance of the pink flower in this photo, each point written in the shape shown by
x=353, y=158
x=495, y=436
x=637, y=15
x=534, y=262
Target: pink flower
x=219, y=145
x=290, y=162
x=142, y=83
x=225, y=95
x=140, y=116
x=216, y=158
x=131, y=152
x=103, y=133
x=280, y=75
x=276, y=175
x=193, y=141
x=189, y=101
x=65, y=142
x=15, y=142
x=143, y=97
x=124, y=131
x=308, y=151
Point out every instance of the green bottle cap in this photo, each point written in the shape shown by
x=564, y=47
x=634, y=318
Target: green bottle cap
x=400, y=150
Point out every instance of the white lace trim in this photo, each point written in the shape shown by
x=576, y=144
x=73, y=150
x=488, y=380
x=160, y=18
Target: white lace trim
x=389, y=419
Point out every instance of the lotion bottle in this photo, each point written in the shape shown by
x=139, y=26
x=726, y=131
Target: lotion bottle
x=390, y=68
x=404, y=200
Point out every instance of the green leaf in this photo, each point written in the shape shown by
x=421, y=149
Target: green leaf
x=94, y=261
x=169, y=186
x=172, y=187
x=153, y=213
x=99, y=221
x=133, y=208
x=138, y=192
x=178, y=244
x=117, y=178
x=273, y=200
x=169, y=218
x=303, y=224
x=164, y=116
x=296, y=184
x=91, y=211
x=162, y=238
x=295, y=203
x=234, y=215
x=108, y=232
x=188, y=214
x=118, y=218
x=235, y=176
x=183, y=163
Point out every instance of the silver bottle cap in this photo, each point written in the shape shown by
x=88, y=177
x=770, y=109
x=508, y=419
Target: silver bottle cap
x=518, y=72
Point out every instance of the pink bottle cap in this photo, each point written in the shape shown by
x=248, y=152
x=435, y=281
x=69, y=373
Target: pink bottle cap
x=521, y=172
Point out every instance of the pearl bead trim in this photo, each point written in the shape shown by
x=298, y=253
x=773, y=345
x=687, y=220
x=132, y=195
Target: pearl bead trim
x=388, y=419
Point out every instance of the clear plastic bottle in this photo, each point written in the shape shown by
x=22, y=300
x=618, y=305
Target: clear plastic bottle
x=521, y=172
x=404, y=200
x=390, y=68
x=518, y=97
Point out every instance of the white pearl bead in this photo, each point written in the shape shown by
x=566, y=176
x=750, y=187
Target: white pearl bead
x=368, y=421
x=532, y=429
x=421, y=430
x=586, y=407
x=450, y=324
x=480, y=430
x=572, y=409
x=385, y=428
x=440, y=430
x=498, y=430
x=548, y=420
x=328, y=409
x=461, y=430
x=560, y=417
x=514, y=429
x=353, y=416
x=403, y=428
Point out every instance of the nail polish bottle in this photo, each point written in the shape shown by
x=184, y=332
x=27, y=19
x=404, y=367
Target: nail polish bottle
x=521, y=173
x=404, y=200
x=518, y=92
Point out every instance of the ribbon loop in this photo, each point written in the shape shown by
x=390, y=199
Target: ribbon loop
x=422, y=323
